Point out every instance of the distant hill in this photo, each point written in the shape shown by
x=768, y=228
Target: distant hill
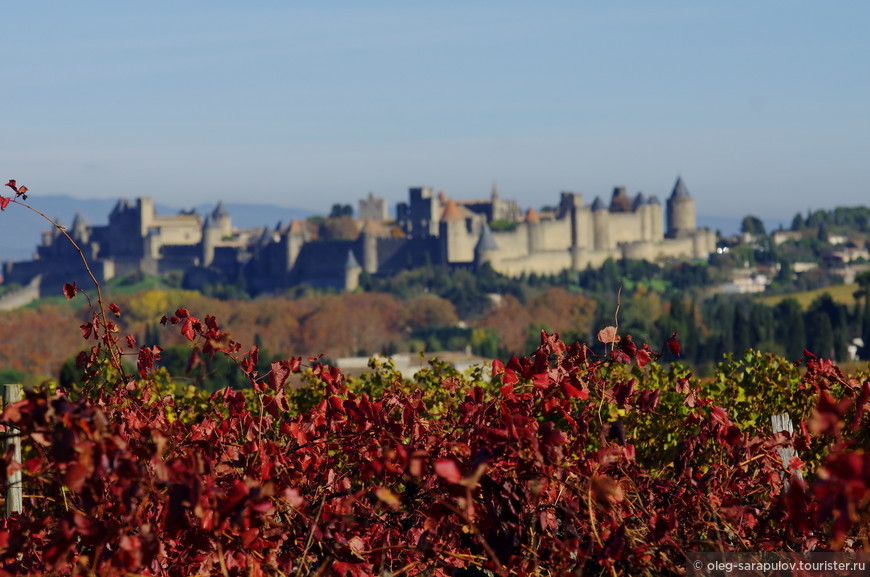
x=21, y=230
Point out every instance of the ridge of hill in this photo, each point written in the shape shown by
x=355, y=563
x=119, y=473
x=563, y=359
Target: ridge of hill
x=20, y=233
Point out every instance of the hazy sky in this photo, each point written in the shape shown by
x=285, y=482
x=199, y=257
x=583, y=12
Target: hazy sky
x=763, y=107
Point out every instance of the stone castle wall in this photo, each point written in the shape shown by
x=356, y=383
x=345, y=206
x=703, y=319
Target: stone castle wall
x=434, y=230
x=22, y=296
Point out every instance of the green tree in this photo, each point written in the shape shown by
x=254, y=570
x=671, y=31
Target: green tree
x=70, y=376
x=752, y=225
x=837, y=315
x=797, y=223
x=339, y=210
x=13, y=376
x=863, y=296
x=790, y=331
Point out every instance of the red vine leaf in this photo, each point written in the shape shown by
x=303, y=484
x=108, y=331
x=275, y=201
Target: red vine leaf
x=608, y=335
x=448, y=470
x=674, y=344
x=69, y=290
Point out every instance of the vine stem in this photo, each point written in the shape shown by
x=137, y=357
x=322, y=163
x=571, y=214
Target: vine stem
x=114, y=352
x=616, y=313
x=592, y=514
x=310, y=541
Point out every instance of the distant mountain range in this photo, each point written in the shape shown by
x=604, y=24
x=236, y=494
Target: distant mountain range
x=21, y=230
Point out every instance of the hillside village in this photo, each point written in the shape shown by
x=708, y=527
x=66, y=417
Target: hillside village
x=429, y=228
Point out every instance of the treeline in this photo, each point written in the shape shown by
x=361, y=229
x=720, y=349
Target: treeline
x=851, y=218
x=430, y=310
x=725, y=324
x=470, y=292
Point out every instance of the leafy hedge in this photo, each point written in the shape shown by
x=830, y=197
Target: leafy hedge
x=563, y=463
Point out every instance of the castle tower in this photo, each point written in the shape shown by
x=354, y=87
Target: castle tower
x=211, y=235
x=80, y=229
x=533, y=224
x=640, y=208
x=294, y=238
x=352, y=271
x=373, y=208
x=486, y=247
x=656, y=218
x=222, y=220
x=370, y=247
x=452, y=233
x=420, y=216
x=600, y=225
x=681, y=211
x=620, y=201
x=145, y=206
x=571, y=207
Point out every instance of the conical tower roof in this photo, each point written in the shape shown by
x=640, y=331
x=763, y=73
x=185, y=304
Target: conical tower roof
x=486, y=241
x=351, y=261
x=639, y=201
x=220, y=210
x=620, y=202
x=451, y=212
x=531, y=215
x=680, y=190
x=598, y=204
x=79, y=221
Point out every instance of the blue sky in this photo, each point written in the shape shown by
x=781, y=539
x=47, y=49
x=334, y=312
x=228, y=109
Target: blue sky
x=763, y=107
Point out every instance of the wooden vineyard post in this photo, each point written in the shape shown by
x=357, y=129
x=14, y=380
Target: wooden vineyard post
x=14, y=500
x=782, y=424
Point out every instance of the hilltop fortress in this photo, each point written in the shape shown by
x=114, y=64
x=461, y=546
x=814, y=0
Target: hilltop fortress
x=429, y=228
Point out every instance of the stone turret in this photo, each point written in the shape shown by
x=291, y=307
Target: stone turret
x=533, y=223
x=639, y=207
x=145, y=208
x=373, y=208
x=453, y=233
x=222, y=219
x=294, y=239
x=419, y=218
x=656, y=218
x=620, y=202
x=80, y=228
x=486, y=247
x=579, y=219
x=681, y=211
x=352, y=271
x=370, y=247
x=211, y=236
x=601, y=224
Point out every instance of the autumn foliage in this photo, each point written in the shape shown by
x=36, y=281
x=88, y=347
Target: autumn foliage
x=551, y=464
